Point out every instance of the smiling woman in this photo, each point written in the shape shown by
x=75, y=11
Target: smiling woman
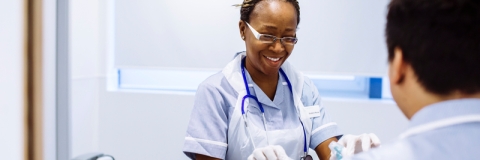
x=261, y=85
x=264, y=58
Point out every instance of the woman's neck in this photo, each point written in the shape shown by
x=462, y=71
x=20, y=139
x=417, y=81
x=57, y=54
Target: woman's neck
x=268, y=83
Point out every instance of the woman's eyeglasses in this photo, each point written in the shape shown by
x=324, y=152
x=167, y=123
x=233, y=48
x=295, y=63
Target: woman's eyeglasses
x=266, y=38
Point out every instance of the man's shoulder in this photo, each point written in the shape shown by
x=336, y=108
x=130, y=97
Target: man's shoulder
x=441, y=144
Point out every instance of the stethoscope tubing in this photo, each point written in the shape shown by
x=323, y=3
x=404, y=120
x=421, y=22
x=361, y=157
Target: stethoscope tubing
x=261, y=107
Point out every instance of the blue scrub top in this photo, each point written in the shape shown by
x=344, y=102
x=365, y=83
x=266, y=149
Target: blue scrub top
x=214, y=104
x=460, y=141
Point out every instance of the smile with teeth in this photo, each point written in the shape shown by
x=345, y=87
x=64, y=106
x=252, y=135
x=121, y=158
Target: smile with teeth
x=273, y=59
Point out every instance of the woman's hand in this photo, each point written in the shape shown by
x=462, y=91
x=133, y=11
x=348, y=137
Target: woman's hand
x=269, y=153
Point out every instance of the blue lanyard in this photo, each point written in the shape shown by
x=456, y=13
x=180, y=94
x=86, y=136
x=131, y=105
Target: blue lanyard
x=260, y=105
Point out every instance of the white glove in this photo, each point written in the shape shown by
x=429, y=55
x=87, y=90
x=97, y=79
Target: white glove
x=269, y=153
x=356, y=143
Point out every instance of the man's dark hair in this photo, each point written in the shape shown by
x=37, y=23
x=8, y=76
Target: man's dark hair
x=440, y=39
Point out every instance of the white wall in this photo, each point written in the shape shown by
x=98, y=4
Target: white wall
x=85, y=74
x=355, y=116
x=335, y=36
x=11, y=81
x=143, y=125
x=49, y=79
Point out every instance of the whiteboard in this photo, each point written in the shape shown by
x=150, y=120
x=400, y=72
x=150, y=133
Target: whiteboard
x=335, y=36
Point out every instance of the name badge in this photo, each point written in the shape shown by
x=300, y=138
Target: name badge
x=313, y=111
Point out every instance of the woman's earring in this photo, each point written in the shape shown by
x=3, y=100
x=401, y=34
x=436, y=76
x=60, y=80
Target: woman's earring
x=243, y=37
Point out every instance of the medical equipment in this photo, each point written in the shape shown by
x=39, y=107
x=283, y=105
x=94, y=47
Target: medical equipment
x=92, y=156
x=336, y=150
x=248, y=95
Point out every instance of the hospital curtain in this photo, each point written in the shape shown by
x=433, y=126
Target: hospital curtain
x=33, y=132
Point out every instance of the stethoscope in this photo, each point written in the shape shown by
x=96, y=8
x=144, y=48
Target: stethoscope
x=305, y=156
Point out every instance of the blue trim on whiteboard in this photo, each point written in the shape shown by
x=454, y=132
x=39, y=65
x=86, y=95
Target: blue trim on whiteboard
x=119, y=82
x=375, y=88
x=357, y=87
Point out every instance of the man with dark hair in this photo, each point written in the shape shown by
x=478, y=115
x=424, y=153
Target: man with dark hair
x=434, y=71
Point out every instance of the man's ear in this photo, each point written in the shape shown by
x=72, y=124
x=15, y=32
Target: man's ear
x=397, y=67
x=242, y=26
